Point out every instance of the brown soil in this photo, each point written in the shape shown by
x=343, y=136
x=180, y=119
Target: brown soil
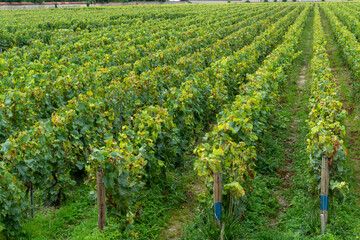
x=186, y=212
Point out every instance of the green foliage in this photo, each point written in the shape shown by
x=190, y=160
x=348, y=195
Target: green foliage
x=77, y=218
x=13, y=203
x=130, y=92
x=230, y=147
x=301, y=220
x=135, y=136
x=347, y=15
x=346, y=32
x=346, y=39
x=133, y=150
x=10, y=1
x=326, y=127
x=203, y=227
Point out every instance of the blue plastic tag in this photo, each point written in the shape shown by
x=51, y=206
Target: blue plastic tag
x=218, y=211
x=324, y=202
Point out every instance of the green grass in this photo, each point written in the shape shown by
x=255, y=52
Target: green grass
x=51, y=223
x=77, y=217
x=194, y=186
x=295, y=222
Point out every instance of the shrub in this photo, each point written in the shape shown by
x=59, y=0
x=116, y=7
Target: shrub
x=13, y=204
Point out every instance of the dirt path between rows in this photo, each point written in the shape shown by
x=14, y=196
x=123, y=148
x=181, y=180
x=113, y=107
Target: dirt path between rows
x=187, y=210
x=295, y=96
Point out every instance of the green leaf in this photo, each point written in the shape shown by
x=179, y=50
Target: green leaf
x=108, y=181
x=115, y=155
x=161, y=163
x=108, y=136
x=218, y=152
x=48, y=126
x=98, y=155
x=340, y=168
x=7, y=100
x=22, y=169
x=5, y=147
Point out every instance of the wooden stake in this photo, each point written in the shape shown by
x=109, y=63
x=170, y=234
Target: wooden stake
x=217, y=197
x=222, y=231
x=324, y=195
x=32, y=199
x=101, y=199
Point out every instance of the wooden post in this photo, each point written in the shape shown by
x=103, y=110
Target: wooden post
x=322, y=219
x=101, y=198
x=217, y=197
x=32, y=199
x=222, y=231
x=324, y=195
